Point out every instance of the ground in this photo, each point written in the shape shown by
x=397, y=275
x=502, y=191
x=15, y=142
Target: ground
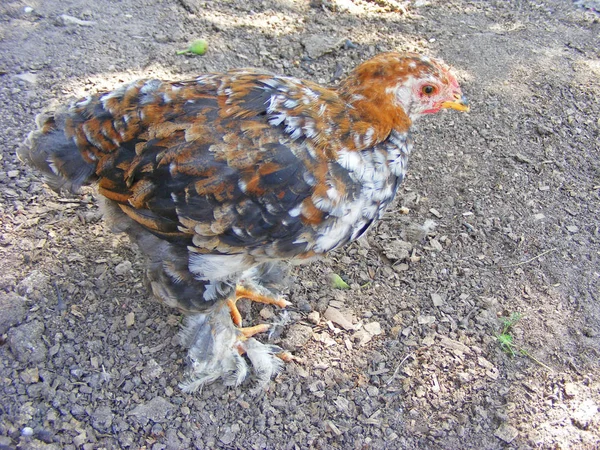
x=410, y=356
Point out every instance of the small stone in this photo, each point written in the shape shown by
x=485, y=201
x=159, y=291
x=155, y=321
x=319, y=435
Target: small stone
x=318, y=45
x=65, y=19
x=584, y=414
x=157, y=410
x=401, y=267
x=506, y=433
x=12, y=173
x=373, y=328
x=425, y=320
x=337, y=317
x=437, y=300
x=129, y=319
x=27, y=431
x=436, y=245
x=80, y=439
x=297, y=336
x=362, y=336
x=435, y=212
x=314, y=317
x=571, y=389
x=227, y=437
x=342, y=404
x=123, y=268
x=334, y=428
x=398, y=250
x=152, y=371
x=521, y=158
x=539, y=216
x=266, y=313
x=325, y=339
x=455, y=345
x=428, y=340
x=30, y=376
x=31, y=286
x=102, y=419
x=572, y=229
x=26, y=344
x=30, y=78
x=13, y=310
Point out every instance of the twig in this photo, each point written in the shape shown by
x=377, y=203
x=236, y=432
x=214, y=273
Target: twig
x=390, y=379
x=60, y=303
x=531, y=259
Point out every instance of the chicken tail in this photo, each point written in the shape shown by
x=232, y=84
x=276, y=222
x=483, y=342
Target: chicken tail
x=50, y=150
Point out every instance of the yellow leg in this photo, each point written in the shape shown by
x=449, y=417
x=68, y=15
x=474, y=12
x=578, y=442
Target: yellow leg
x=243, y=292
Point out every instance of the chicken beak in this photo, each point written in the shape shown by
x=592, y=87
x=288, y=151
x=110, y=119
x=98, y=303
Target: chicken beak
x=460, y=103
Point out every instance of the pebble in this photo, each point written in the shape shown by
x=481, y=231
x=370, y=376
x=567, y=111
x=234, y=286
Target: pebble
x=152, y=371
x=318, y=44
x=123, y=268
x=30, y=376
x=14, y=310
x=297, y=336
x=314, y=317
x=80, y=439
x=506, y=433
x=583, y=415
x=339, y=318
x=26, y=344
x=227, y=437
x=437, y=299
x=65, y=19
x=436, y=213
x=373, y=328
x=157, y=410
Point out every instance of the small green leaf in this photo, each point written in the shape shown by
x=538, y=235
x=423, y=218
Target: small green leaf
x=198, y=47
x=338, y=283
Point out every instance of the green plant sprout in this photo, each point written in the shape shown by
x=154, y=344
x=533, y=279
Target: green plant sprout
x=507, y=342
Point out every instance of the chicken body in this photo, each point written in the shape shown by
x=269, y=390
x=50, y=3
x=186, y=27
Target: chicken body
x=222, y=178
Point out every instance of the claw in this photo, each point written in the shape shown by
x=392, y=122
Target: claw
x=285, y=356
x=243, y=292
x=248, y=332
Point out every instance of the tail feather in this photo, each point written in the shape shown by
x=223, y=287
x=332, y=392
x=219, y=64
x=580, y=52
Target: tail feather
x=55, y=155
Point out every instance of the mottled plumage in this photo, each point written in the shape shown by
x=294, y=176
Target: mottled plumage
x=220, y=178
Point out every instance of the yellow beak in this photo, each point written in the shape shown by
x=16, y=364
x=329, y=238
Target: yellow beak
x=459, y=104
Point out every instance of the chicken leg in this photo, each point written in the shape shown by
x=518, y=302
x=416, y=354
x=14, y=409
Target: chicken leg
x=244, y=292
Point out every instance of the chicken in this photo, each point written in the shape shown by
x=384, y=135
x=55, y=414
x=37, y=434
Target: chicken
x=224, y=180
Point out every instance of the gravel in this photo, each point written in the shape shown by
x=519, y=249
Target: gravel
x=89, y=360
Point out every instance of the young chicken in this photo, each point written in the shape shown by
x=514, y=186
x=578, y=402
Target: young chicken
x=222, y=178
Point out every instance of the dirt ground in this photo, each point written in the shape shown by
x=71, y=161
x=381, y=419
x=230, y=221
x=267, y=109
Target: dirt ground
x=89, y=360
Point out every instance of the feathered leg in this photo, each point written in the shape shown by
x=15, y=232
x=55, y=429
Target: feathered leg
x=216, y=349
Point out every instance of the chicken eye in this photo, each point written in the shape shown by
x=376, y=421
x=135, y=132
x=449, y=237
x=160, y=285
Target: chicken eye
x=428, y=89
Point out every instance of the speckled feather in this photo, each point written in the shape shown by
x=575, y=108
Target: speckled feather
x=238, y=169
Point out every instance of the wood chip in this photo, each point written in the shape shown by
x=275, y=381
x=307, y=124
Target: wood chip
x=435, y=212
x=336, y=316
x=454, y=345
x=334, y=428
